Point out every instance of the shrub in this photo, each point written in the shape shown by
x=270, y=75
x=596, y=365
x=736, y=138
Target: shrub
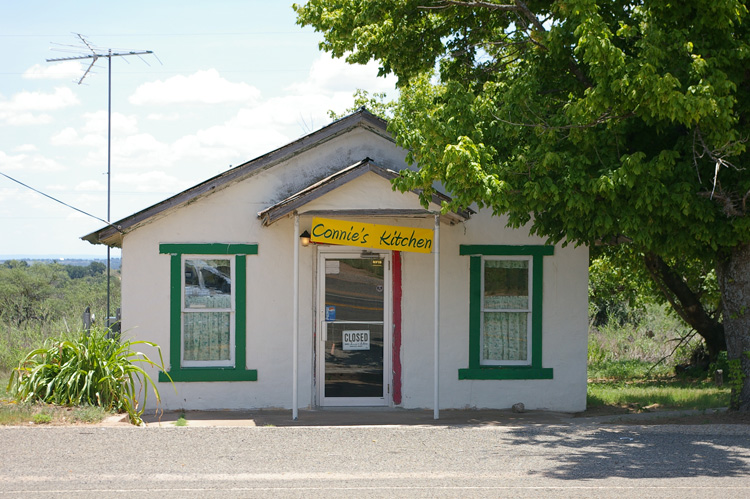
x=87, y=370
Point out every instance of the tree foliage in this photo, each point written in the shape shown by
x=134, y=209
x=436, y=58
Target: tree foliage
x=377, y=103
x=45, y=299
x=589, y=121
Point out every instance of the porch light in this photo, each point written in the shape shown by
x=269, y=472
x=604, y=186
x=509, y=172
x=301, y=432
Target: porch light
x=304, y=238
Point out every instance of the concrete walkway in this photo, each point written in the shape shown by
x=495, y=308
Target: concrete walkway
x=382, y=417
x=349, y=417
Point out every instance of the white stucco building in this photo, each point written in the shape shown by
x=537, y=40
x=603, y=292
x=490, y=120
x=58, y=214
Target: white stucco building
x=369, y=313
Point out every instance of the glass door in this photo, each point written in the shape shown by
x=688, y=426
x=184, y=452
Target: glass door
x=354, y=343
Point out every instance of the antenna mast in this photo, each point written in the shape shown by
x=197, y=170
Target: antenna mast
x=96, y=54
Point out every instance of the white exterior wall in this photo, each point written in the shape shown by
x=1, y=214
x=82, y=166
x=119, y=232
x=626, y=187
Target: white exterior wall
x=564, y=325
x=229, y=216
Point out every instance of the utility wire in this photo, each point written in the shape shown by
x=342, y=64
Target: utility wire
x=61, y=202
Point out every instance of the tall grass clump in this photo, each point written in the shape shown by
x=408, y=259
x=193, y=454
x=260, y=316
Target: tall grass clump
x=634, y=346
x=87, y=369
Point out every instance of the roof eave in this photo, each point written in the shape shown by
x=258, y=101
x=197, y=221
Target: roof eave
x=314, y=191
x=362, y=118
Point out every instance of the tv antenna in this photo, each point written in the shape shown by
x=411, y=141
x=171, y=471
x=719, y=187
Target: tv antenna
x=96, y=54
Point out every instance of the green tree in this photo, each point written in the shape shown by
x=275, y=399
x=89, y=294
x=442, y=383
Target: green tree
x=614, y=121
x=42, y=300
x=31, y=294
x=376, y=103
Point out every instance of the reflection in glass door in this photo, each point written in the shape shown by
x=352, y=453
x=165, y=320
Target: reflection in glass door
x=355, y=340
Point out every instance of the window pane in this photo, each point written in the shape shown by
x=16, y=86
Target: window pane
x=208, y=283
x=206, y=336
x=505, y=336
x=506, y=284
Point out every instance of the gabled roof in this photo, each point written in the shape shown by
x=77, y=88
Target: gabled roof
x=318, y=189
x=112, y=234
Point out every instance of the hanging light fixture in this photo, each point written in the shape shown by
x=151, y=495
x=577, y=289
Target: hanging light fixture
x=304, y=239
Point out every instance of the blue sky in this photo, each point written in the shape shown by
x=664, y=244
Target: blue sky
x=233, y=80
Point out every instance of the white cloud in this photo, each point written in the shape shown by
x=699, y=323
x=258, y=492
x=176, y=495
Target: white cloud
x=76, y=215
x=229, y=143
x=21, y=109
x=66, y=136
x=93, y=133
x=26, y=148
x=26, y=162
x=203, y=87
x=96, y=123
x=61, y=70
x=259, y=127
x=91, y=186
x=163, y=117
x=39, y=101
x=140, y=151
x=152, y=181
x=329, y=76
x=24, y=119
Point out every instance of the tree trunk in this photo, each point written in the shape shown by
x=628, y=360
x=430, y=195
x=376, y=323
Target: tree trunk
x=733, y=272
x=687, y=304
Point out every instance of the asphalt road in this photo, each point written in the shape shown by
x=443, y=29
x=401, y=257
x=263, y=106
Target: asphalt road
x=377, y=461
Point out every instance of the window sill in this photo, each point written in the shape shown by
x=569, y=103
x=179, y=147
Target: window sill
x=198, y=374
x=510, y=372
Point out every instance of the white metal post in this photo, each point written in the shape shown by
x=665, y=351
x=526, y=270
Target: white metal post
x=436, y=409
x=295, y=317
x=109, y=178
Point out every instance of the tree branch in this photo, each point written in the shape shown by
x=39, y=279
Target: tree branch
x=685, y=302
x=729, y=204
x=519, y=7
x=604, y=118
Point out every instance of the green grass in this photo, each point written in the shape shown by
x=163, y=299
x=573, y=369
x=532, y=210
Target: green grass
x=631, y=366
x=42, y=418
x=89, y=414
x=657, y=393
x=627, y=369
x=181, y=421
x=4, y=378
x=636, y=385
x=12, y=413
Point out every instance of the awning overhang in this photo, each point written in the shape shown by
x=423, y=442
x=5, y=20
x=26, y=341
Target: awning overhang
x=294, y=203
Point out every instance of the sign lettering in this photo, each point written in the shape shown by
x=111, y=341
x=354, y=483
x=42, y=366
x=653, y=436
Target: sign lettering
x=355, y=340
x=386, y=237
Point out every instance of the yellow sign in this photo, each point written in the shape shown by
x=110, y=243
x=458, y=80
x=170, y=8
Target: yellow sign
x=387, y=237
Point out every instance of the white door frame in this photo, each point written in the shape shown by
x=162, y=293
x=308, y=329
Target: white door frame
x=346, y=252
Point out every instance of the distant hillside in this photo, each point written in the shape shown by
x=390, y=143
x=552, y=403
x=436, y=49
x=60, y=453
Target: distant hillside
x=81, y=261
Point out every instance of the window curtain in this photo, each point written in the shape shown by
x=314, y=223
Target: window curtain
x=207, y=334
x=506, y=310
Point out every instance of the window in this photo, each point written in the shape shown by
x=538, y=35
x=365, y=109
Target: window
x=208, y=312
x=505, y=312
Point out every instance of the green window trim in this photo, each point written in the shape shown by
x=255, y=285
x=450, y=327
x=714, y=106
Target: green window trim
x=475, y=369
x=208, y=249
x=239, y=372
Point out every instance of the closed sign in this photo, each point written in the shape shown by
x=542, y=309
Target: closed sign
x=356, y=340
